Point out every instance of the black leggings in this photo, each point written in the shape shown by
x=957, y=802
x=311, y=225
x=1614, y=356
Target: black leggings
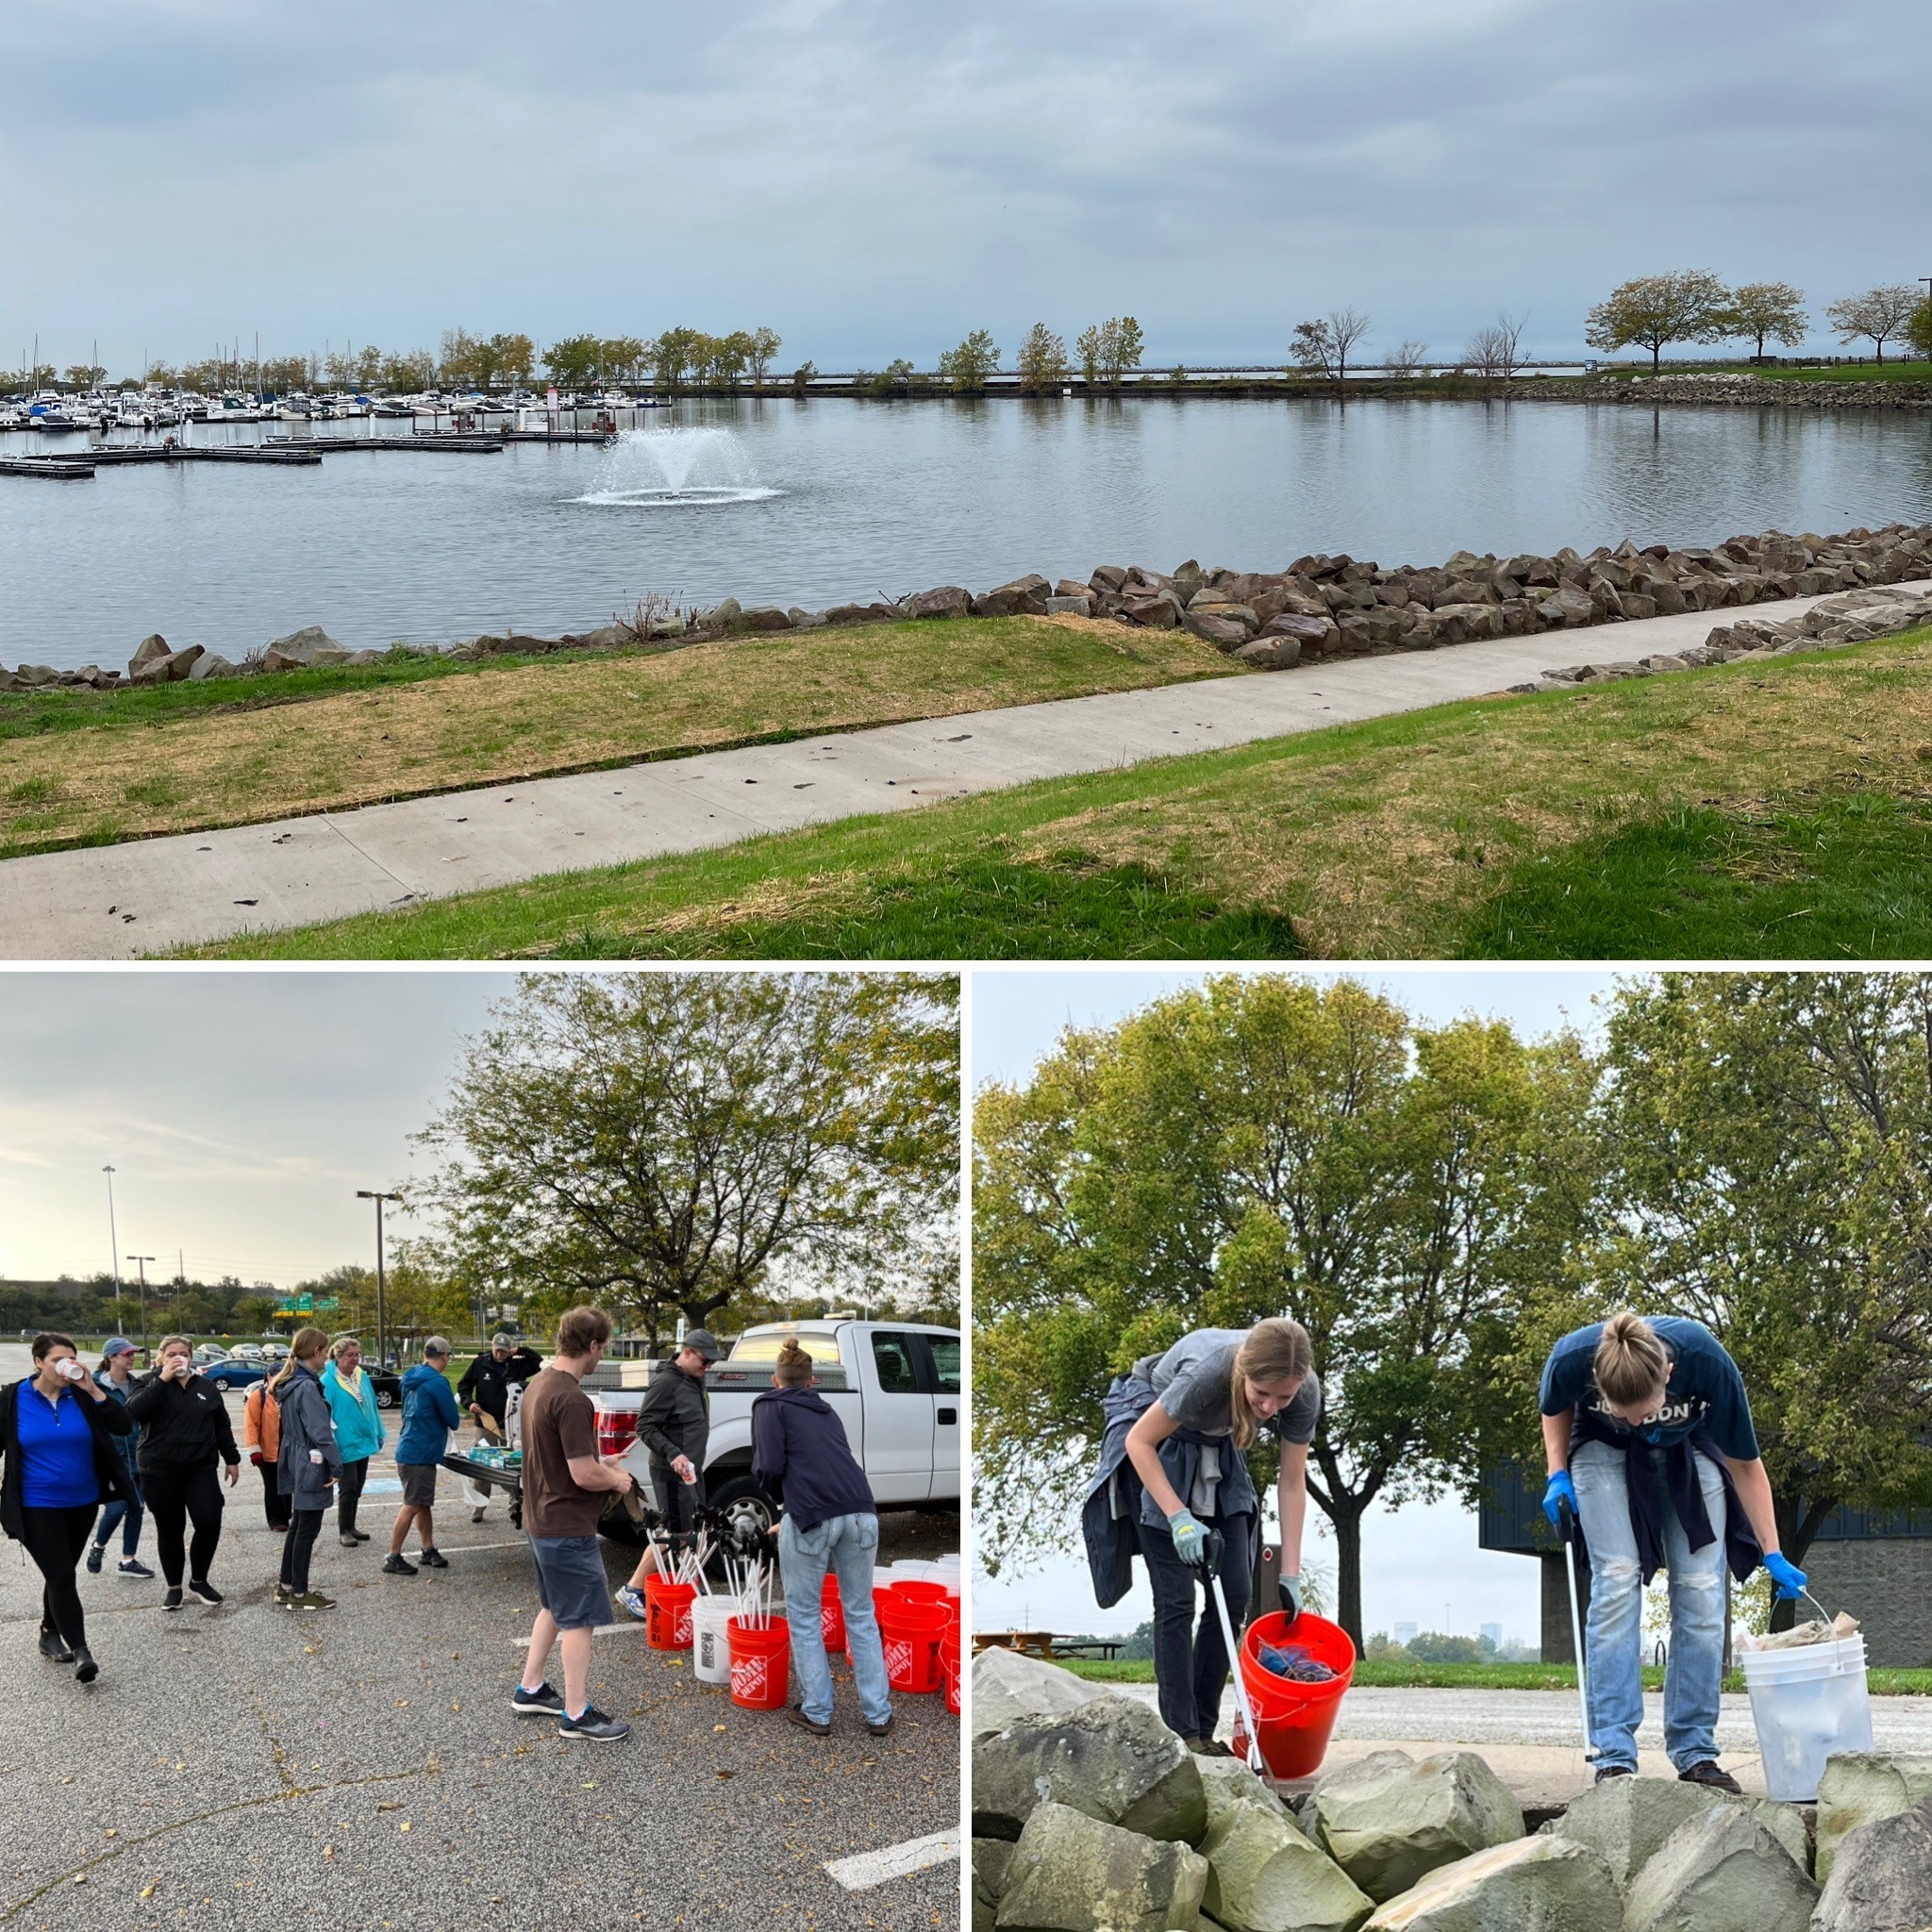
x=274, y=1506
x=350, y=1493
x=55, y=1538
x=1190, y=1664
x=173, y=1498
x=302, y=1528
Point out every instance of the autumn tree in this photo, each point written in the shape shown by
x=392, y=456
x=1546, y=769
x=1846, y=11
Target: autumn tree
x=1919, y=330
x=1653, y=311
x=1876, y=316
x=967, y=367
x=665, y=1143
x=1108, y=350
x=1768, y=311
x=762, y=346
x=675, y=350
x=1042, y=359
x=575, y=362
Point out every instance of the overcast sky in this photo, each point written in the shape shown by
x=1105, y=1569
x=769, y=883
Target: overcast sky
x=1421, y=1563
x=874, y=177
x=241, y=1110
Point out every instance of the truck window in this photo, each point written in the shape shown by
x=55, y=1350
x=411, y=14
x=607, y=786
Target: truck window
x=945, y=1362
x=893, y=1359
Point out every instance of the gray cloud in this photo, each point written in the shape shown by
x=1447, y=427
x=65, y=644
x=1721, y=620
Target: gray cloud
x=873, y=179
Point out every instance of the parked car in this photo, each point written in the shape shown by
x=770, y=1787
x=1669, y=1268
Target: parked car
x=389, y=1386
x=232, y=1373
x=246, y=1352
x=895, y=1385
x=208, y=1354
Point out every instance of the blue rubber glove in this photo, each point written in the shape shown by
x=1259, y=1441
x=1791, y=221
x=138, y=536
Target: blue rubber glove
x=1289, y=1591
x=1190, y=1539
x=1562, y=1494
x=1787, y=1578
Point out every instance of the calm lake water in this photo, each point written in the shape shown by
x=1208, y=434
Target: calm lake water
x=822, y=502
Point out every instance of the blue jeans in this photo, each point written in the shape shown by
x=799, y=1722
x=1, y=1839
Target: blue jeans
x=129, y=1515
x=1693, y=1676
x=846, y=1546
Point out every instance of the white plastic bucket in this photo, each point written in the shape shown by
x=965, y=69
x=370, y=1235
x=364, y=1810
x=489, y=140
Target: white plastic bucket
x=711, y=1643
x=1809, y=1705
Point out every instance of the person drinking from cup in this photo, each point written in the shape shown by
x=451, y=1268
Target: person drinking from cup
x=1651, y=1453
x=185, y=1436
x=115, y=1378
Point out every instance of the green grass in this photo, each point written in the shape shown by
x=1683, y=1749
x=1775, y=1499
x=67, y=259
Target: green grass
x=1777, y=809
x=1904, y=370
x=1499, y=1676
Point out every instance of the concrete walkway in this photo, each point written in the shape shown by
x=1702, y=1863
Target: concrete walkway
x=119, y=902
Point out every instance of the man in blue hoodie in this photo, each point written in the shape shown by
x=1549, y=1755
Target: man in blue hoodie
x=800, y=1453
x=429, y=1413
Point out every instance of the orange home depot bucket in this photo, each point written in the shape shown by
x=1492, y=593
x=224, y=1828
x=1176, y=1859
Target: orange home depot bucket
x=911, y=1634
x=760, y=1664
x=914, y=1591
x=949, y=1666
x=831, y=1616
x=667, y=1613
x=1292, y=1721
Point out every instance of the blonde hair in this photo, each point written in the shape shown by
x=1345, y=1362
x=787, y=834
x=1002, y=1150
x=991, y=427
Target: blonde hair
x=340, y=1342
x=167, y=1342
x=1271, y=1351
x=309, y=1341
x=794, y=1366
x=1631, y=1363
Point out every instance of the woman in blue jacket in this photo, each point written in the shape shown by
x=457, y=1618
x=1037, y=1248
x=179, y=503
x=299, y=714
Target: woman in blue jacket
x=359, y=1430
x=429, y=1413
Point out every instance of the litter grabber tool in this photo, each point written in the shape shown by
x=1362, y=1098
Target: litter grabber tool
x=1250, y=1729
x=1573, y=1542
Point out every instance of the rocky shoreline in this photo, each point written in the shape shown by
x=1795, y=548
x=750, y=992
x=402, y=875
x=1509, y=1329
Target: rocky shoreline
x=1090, y=1815
x=1318, y=609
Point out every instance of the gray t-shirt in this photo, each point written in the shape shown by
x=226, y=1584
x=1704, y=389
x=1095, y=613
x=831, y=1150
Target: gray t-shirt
x=1194, y=1380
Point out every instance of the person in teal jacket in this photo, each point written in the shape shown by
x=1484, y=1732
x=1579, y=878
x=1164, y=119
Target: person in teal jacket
x=429, y=1413
x=352, y=1408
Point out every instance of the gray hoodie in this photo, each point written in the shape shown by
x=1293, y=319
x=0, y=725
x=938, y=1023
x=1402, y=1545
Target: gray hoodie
x=306, y=1426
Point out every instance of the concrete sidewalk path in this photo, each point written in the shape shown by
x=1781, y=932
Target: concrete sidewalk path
x=119, y=902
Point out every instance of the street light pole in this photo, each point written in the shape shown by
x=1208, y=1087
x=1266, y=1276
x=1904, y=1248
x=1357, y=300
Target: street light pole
x=382, y=1291
x=113, y=1243
x=143, y=1260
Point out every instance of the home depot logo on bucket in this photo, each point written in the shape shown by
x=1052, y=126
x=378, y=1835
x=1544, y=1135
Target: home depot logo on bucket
x=683, y=1633
x=898, y=1658
x=748, y=1677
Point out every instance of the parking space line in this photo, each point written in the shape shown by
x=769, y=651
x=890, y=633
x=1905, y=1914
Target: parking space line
x=867, y=1868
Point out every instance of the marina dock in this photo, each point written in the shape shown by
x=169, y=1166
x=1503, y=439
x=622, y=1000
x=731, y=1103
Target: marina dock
x=281, y=452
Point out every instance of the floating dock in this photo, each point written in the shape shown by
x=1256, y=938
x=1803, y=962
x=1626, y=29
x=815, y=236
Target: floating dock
x=280, y=451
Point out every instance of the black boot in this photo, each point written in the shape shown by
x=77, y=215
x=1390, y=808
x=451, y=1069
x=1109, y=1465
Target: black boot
x=85, y=1668
x=54, y=1647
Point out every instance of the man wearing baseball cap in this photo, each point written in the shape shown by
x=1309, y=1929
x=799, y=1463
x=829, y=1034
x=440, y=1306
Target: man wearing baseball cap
x=484, y=1393
x=674, y=1424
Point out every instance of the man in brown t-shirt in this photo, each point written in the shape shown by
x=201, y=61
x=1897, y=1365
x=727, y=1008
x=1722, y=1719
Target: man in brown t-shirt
x=565, y=1483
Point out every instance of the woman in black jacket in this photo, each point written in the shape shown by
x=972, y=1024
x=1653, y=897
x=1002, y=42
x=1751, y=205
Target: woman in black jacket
x=57, y=1432
x=184, y=1433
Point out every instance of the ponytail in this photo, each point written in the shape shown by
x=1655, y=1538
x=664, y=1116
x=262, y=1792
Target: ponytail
x=1631, y=1363
x=309, y=1341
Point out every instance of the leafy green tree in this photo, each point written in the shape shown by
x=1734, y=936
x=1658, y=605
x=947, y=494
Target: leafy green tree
x=85, y=375
x=573, y=363
x=1312, y=348
x=1919, y=330
x=967, y=366
x=1876, y=316
x=1434, y=1647
x=1653, y=311
x=761, y=348
x=1255, y=1147
x=623, y=358
x=1768, y=1143
x=1042, y=359
x=1767, y=311
x=730, y=355
x=664, y=1141
x=512, y=359
x=1108, y=350
x=677, y=350
x=803, y=379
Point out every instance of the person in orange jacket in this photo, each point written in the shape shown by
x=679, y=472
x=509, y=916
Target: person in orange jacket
x=261, y=1436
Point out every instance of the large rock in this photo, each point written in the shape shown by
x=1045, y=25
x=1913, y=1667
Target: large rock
x=1861, y=1787
x=1532, y=1885
x=1881, y=1877
x=1263, y=1875
x=1070, y=1872
x=1627, y=1820
x=1387, y=1820
x=1720, y=1872
x=170, y=667
x=1112, y=1758
x=1024, y=597
x=947, y=600
x=991, y=1858
x=302, y=648
x=150, y=647
x=1007, y=1687
x=1227, y=1781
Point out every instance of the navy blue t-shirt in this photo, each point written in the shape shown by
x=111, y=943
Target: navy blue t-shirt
x=1705, y=1391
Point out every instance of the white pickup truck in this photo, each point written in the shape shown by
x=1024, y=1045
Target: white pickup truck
x=894, y=1386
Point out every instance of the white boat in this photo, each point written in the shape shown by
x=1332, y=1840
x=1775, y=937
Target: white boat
x=233, y=406
x=294, y=410
x=12, y=416
x=392, y=406
x=52, y=414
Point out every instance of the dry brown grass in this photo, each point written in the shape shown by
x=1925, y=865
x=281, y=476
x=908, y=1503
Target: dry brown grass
x=237, y=765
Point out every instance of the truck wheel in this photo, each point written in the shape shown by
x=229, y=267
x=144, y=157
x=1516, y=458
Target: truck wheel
x=745, y=1505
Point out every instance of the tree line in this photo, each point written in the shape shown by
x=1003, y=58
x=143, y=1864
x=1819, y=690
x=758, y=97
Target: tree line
x=1694, y=306
x=1438, y=1204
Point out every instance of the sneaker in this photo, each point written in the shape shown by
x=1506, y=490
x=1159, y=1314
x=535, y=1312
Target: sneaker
x=172, y=1600
x=200, y=1588
x=1713, y=1776
x=93, y=1559
x=1607, y=1772
x=134, y=1569
x=394, y=1565
x=1209, y=1747
x=633, y=1602
x=796, y=1713
x=310, y=1600
x=432, y=1560
x=884, y=1730
x=543, y=1702
x=282, y=1596
x=54, y=1647
x=476, y=1516
x=592, y=1725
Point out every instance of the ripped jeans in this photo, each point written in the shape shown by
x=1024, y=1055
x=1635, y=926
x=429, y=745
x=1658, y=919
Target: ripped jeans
x=1614, y=1640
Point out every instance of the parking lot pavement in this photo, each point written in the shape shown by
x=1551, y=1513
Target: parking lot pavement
x=245, y=1766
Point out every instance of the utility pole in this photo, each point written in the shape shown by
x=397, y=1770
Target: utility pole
x=143, y=1260
x=113, y=1243
x=381, y=1287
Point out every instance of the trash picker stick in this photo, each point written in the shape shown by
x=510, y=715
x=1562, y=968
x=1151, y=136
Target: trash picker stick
x=1234, y=1658
x=1572, y=1536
